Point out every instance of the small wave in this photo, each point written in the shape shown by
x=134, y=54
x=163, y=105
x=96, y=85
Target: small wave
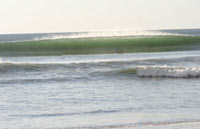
x=168, y=71
x=68, y=114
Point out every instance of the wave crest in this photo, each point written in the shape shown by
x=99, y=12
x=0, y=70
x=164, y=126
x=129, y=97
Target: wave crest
x=103, y=34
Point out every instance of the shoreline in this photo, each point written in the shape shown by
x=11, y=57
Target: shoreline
x=164, y=125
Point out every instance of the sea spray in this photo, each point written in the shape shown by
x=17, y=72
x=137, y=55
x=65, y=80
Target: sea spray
x=93, y=34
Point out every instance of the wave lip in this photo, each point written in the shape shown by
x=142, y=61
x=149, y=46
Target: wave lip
x=168, y=71
x=118, y=33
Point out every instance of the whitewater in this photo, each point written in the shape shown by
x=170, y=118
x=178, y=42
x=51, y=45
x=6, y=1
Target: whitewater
x=157, y=89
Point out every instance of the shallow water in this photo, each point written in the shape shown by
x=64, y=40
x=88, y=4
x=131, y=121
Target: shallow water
x=96, y=91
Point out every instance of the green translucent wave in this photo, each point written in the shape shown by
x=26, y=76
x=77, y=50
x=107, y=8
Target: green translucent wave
x=100, y=45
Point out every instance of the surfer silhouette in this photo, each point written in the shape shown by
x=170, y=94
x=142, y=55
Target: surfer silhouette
x=119, y=51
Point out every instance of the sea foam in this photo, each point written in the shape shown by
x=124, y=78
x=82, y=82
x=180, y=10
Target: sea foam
x=1, y=60
x=168, y=71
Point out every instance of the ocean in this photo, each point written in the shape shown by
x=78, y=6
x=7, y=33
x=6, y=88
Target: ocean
x=97, y=80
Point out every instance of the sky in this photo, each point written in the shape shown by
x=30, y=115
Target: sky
x=37, y=16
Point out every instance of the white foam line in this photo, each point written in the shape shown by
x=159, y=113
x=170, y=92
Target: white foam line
x=167, y=71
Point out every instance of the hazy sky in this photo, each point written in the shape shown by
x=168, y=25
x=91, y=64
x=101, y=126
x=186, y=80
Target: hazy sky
x=21, y=16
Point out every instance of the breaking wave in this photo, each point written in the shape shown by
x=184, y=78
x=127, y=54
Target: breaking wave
x=140, y=71
x=103, y=45
x=168, y=71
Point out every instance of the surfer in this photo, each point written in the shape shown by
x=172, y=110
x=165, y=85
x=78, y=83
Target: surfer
x=119, y=51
